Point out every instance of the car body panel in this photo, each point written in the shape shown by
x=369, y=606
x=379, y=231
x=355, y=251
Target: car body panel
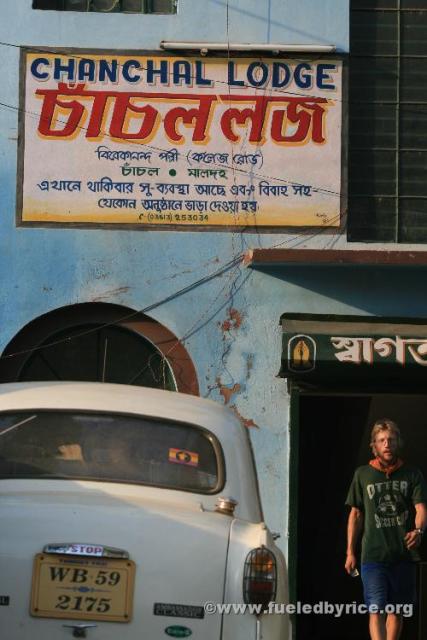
x=40, y=512
x=152, y=402
x=186, y=552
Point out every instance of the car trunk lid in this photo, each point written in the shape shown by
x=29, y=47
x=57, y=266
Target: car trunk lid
x=178, y=549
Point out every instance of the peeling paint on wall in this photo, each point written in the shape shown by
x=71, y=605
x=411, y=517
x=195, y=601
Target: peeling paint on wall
x=227, y=392
x=112, y=293
x=246, y=422
x=234, y=320
x=249, y=364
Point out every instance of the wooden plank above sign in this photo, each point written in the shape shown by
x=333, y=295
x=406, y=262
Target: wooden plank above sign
x=334, y=257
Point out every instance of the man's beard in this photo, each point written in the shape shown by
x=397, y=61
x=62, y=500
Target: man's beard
x=387, y=462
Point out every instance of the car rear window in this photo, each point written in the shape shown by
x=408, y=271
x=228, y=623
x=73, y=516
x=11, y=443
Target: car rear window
x=109, y=448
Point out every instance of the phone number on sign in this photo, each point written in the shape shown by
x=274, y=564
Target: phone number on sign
x=176, y=217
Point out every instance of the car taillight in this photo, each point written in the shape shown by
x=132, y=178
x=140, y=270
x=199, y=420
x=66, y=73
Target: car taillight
x=260, y=577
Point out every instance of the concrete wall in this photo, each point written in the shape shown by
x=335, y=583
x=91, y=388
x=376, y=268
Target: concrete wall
x=232, y=322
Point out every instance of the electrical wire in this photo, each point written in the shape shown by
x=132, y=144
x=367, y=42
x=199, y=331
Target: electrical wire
x=234, y=263
x=189, y=333
x=159, y=150
x=225, y=267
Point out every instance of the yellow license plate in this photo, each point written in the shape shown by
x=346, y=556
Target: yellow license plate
x=82, y=588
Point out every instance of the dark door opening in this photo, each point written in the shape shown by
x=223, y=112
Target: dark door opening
x=333, y=440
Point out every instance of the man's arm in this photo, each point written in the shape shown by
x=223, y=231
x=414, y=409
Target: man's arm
x=413, y=538
x=354, y=529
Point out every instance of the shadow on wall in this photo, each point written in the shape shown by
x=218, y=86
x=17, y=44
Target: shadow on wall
x=383, y=291
x=266, y=17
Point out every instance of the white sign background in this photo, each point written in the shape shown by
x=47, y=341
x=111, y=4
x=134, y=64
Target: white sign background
x=169, y=141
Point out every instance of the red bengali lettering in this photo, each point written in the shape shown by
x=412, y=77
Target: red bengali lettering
x=307, y=114
x=48, y=121
x=122, y=107
x=253, y=112
x=198, y=117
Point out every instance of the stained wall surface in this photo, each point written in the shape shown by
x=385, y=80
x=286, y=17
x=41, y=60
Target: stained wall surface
x=231, y=322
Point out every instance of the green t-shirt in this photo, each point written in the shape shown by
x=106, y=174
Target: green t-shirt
x=388, y=508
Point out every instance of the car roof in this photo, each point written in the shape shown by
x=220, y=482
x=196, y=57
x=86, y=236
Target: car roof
x=241, y=479
x=106, y=397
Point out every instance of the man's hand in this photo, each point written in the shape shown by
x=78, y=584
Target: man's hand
x=354, y=529
x=350, y=563
x=413, y=539
x=70, y=452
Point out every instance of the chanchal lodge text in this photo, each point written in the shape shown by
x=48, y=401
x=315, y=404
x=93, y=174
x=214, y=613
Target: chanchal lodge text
x=168, y=72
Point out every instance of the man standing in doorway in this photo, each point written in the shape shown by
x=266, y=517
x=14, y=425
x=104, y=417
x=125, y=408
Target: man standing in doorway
x=388, y=507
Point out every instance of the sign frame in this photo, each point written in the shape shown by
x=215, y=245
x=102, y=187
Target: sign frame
x=259, y=227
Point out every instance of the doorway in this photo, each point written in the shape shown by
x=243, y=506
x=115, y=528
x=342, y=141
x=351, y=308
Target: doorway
x=333, y=439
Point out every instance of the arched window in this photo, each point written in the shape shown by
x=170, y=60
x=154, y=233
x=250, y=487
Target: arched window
x=99, y=342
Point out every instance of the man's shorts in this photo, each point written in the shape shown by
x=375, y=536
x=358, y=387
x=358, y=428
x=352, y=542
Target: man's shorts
x=389, y=583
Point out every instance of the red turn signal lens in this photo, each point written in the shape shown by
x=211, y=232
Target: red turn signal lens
x=260, y=577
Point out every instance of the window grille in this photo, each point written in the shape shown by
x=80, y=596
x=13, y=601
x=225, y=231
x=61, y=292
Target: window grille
x=108, y=6
x=388, y=121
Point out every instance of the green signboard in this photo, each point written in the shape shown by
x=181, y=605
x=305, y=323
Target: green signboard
x=355, y=351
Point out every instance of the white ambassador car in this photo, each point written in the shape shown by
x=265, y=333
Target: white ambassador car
x=123, y=511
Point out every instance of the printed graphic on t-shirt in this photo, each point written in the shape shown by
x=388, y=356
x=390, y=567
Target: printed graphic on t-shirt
x=390, y=507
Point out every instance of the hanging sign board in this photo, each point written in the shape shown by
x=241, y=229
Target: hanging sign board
x=166, y=141
x=360, y=351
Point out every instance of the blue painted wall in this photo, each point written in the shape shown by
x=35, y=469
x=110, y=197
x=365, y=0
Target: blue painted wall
x=45, y=269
